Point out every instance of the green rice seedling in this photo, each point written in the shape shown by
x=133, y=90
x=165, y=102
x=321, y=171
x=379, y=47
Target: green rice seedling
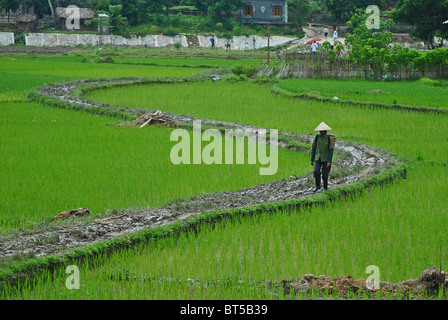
x=54, y=160
x=398, y=227
x=64, y=68
x=414, y=135
x=185, y=63
x=351, y=252
x=412, y=93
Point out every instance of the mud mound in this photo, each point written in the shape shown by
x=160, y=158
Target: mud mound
x=378, y=91
x=429, y=282
x=72, y=214
x=154, y=118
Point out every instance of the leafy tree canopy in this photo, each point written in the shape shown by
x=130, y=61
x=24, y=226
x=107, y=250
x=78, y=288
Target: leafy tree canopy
x=299, y=10
x=9, y=4
x=342, y=9
x=426, y=16
x=369, y=46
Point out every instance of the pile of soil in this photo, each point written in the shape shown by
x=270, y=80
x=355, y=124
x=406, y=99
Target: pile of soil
x=72, y=214
x=429, y=282
x=154, y=118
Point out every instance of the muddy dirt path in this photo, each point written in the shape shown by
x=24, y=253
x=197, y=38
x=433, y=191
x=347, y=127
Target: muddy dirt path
x=355, y=163
x=36, y=50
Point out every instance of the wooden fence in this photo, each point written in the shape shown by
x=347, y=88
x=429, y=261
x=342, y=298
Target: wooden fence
x=8, y=19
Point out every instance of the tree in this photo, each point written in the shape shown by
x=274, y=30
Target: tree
x=41, y=7
x=221, y=10
x=201, y=5
x=298, y=10
x=116, y=19
x=9, y=5
x=342, y=9
x=158, y=6
x=369, y=47
x=426, y=16
x=130, y=10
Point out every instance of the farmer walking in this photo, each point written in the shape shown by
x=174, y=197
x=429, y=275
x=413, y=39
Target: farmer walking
x=322, y=156
x=228, y=43
x=314, y=47
x=335, y=35
x=326, y=33
x=212, y=40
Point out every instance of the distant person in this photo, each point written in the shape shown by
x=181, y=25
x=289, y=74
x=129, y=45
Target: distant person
x=228, y=43
x=212, y=40
x=326, y=33
x=314, y=47
x=322, y=156
x=335, y=35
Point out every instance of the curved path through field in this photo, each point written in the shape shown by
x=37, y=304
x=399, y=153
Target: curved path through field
x=356, y=162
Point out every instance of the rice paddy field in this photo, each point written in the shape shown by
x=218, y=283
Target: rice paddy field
x=53, y=159
x=418, y=93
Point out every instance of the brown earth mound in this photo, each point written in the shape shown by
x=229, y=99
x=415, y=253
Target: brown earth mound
x=154, y=118
x=72, y=214
x=429, y=282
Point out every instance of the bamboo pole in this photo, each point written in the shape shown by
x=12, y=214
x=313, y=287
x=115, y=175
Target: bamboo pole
x=269, y=36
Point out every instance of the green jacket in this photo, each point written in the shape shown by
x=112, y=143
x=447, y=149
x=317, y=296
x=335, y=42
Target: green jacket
x=321, y=149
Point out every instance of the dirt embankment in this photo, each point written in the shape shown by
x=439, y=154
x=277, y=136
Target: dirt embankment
x=37, y=50
x=430, y=282
x=355, y=163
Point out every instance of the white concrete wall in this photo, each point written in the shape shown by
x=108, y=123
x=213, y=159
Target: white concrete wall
x=6, y=38
x=62, y=39
x=244, y=43
x=155, y=41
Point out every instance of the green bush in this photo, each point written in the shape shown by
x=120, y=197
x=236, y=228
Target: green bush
x=242, y=69
x=235, y=78
x=434, y=83
x=92, y=58
x=170, y=32
x=154, y=29
x=20, y=39
x=236, y=31
x=266, y=80
x=89, y=58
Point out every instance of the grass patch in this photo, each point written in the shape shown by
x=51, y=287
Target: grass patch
x=398, y=227
x=70, y=160
x=403, y=132
x=409, y=93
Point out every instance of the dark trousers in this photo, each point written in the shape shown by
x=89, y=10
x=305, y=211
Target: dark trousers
x=321, y=169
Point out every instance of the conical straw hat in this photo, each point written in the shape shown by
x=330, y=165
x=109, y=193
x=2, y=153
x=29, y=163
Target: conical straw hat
x=322, y=127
